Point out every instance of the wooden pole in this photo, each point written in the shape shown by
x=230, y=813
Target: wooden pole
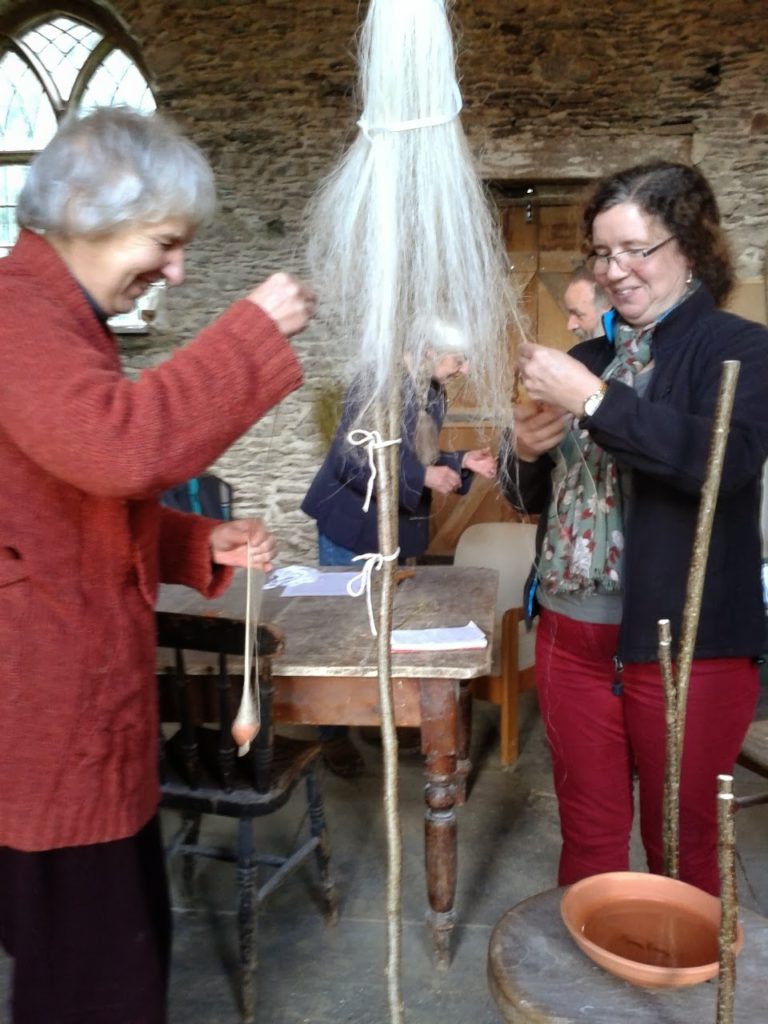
x=671, y=827
x=387, y=478
x=726, y=860
x=695, y=586
x=709, y=492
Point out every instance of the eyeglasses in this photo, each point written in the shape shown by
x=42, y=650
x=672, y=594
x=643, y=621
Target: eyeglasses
x=629, y=259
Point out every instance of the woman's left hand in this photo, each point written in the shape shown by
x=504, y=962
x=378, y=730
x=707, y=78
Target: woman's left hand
x=480, y=461
x=229, y=544
x=550, y=375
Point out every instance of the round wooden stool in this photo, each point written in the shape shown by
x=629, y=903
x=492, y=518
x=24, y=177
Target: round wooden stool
x=538, y=975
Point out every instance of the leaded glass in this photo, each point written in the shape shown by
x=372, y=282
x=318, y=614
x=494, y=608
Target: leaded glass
x=28, y=112
x=27, y=121
x=12, y=178
x=62, y=46
x=117, y=80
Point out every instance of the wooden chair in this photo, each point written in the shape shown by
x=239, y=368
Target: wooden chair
x=201, y=774
x=205, y=495
x=509, y=548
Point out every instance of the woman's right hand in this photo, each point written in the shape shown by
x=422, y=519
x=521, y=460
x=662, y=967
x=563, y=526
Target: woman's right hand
x=442, y=479
x=538, y=428
x=231, y=543
x=285, y=299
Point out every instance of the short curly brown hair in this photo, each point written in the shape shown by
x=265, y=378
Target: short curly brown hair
x=681, y=197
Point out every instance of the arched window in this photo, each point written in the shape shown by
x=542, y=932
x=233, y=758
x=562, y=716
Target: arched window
x=77, y=58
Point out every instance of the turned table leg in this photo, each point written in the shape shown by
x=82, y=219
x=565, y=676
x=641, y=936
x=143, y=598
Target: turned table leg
x=439, y=730
x=464, y=727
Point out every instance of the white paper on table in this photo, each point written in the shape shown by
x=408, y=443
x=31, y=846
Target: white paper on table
x=327, y=584
x=446, y=638
x=289, y=575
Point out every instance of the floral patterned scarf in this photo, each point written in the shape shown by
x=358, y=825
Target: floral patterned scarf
x=584, y=540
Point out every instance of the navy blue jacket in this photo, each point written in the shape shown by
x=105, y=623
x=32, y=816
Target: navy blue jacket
x=337, y=494
x=664, y=439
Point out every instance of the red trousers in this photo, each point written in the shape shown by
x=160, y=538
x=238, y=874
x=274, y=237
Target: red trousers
x=599, y=740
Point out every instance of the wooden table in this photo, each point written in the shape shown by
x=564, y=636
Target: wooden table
x=328, y=675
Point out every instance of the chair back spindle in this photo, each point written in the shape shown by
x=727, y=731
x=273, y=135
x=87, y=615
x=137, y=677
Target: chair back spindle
x=202, y=774
x=227, y=756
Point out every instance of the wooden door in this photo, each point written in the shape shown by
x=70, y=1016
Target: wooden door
x=542, y=238
x=543, y=243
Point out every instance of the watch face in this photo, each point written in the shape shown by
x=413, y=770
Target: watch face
x=591, y=404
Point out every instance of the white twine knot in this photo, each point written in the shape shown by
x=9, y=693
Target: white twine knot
x=371, y=438
x=362, y=582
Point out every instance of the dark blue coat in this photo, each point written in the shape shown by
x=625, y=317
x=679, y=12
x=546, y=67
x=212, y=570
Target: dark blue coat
x=337, y=494
x=663, y=437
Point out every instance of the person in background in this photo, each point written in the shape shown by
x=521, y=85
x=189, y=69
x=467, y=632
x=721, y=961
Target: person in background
x=585, y=302
x=336, y=496
x=613, y=452
x=107, y=209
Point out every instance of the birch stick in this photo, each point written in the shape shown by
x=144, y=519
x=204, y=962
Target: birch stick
x=695, y=585
x=387, y=465
x=671, y=826
x=709, y=492
x=726, y=859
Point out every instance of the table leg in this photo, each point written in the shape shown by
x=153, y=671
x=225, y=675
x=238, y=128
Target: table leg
x=463, y=763
x=439, y=730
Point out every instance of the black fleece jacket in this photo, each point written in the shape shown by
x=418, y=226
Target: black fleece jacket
x=663, y=438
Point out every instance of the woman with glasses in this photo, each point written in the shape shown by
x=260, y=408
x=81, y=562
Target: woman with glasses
x=611, y=449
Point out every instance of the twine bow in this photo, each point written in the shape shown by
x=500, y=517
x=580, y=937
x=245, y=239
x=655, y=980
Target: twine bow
x=372, y=439
x=361, y=583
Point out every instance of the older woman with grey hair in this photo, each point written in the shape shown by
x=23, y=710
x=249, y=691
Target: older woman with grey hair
x=106, y=211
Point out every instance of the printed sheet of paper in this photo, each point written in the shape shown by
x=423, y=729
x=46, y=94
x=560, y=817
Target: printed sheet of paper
x=326, y=584
x=449, y=638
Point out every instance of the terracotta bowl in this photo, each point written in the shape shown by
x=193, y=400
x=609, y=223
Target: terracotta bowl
x=647, y=929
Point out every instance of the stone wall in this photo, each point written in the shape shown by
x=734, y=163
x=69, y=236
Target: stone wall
x=552, y=91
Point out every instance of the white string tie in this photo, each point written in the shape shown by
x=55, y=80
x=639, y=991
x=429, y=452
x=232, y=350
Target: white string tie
x=361, y=584
x=434, y=121
x=371, y=438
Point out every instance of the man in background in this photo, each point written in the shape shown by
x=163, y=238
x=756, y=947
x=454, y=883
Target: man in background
x=585, y=303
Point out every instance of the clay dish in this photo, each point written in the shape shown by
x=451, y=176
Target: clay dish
x=647, y=929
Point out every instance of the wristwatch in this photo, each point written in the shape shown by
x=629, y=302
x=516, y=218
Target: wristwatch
x=592, y=403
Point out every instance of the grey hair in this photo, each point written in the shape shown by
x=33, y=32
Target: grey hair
x=114, y=167
x=583, y=273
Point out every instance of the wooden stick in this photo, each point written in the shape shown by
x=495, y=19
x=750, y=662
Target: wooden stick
x=694, y=588
x=726, y=859
x=696, y=572
x=387, y=480
x=671, y=827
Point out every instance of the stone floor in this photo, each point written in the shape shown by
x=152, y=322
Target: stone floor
x=310, y=974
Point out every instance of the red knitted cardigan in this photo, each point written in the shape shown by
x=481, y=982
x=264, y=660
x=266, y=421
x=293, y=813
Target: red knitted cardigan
x=84, y=451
